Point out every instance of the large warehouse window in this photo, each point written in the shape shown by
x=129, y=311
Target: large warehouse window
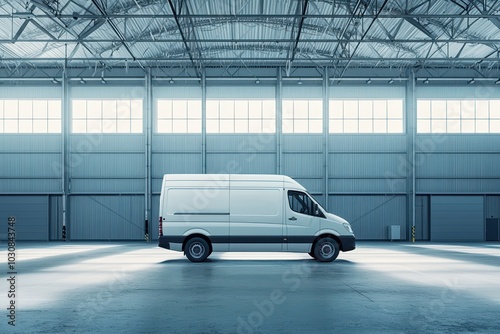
x=366, y=116
x=302, y=116
x=241, y=116
x=30, y=116
x=458, y=116
x=178, y=116
x=107, y=116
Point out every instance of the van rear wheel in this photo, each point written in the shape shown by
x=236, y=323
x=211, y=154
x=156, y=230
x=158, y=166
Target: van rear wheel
x=197, y=249
x=326, y=250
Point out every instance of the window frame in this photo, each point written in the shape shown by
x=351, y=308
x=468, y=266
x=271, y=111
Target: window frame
x=337, y=120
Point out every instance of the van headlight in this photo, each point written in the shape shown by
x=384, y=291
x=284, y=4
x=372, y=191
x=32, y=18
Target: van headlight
x=348, y=227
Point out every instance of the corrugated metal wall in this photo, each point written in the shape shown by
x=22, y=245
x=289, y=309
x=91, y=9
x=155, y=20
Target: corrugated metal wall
x=367, y=176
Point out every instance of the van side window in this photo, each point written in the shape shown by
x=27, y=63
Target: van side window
x=300, y=202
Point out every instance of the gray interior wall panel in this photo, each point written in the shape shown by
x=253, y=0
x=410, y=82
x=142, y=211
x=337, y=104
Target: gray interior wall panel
x=246, y=163
x=99, y=142
x=302, y=143
x=23, y=185
x=156, y=185
x=240, y=92
x=254, y=143
x=457, y=143
x=175, y=163
x=457, y=92
x=31, y=92
x=32, y=217
x=445, y=165
x=371, y=215
x=492, y=207
x=457, y=218
x=128, y=90
x=104, y=185
x=367, y=165
x=107, y=217
x=360, y=186
x=303, y=165
x=30, y=165
x=108, y=165
x=19, y=143
x=169, y=91
x=367, y=143
x=176, y=143
x=306, y=91
x=440, y=186
x=347, y=91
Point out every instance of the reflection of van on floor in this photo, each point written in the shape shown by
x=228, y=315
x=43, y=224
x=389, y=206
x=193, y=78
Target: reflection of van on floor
x=201, y=213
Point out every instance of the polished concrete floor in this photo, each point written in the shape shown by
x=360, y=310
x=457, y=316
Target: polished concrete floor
x=381, y=287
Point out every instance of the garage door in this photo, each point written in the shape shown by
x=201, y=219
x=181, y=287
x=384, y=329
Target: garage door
x=457, y=218
x=32, y=216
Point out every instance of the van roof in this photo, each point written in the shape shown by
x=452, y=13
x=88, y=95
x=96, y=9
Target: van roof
x=234, y=177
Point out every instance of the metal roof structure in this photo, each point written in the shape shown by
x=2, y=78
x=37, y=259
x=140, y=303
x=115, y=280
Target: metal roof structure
x=198, y=34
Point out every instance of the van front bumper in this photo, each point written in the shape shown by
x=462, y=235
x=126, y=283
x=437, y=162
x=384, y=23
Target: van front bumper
x=348, y=243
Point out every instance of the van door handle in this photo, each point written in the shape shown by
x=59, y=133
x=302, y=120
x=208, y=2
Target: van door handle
x=292, y=218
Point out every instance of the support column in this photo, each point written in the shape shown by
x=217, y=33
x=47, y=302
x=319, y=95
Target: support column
x=411, y=104
x=326, y=131
x=65, y=121
x=203, y=122
x=148, y=138
x=279, y=122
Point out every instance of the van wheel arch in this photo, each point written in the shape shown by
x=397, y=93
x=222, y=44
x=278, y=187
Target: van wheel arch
x=327, y=235
x=197, y=236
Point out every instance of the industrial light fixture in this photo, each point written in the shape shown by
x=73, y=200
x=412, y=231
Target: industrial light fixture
x=391, y=81
x=54, y=80
x=426, y=81
x=257, y=81
x=171, y=81
x=82, y=81
x=103, y=81
x=369, y=81
x=471, y=81
x=300, y=82
x=497, y=82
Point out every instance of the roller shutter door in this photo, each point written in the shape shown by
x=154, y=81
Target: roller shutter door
x=32, y=217
x=457, y=218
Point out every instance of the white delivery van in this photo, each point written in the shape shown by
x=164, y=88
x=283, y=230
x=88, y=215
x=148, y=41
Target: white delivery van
x=201, y=213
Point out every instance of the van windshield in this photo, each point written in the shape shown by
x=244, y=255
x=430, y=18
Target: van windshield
x=315, y=201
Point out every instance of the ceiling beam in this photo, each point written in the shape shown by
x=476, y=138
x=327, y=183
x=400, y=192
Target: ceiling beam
x=114, y=28
x=258, y=40
x=20, y=30
x=257, y=16
x=296, y=44
x=188, y=50
x=263, y=60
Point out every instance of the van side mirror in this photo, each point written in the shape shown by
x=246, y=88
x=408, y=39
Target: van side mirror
x=316, y=209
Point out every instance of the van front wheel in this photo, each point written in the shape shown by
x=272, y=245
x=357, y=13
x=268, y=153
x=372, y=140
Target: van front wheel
x=326, y=250
x=197, y=250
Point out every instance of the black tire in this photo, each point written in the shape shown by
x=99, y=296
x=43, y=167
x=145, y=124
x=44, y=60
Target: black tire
x=326, y=250
x=197, y=249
